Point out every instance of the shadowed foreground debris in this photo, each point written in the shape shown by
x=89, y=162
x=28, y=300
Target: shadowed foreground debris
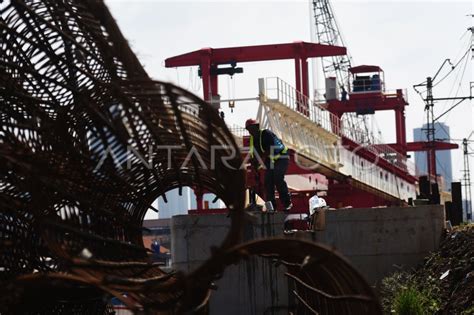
x=452, y=268
x=444, y=282
x=82, y=132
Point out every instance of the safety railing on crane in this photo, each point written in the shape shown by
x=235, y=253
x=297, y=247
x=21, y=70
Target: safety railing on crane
x=277, y=90
x=321, y=99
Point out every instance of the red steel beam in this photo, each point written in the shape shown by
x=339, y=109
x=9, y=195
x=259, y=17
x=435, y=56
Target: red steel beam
x=424, y=146
x=304, y=74
x=400, y=128
x=357, y=105
x=211, y=57
x=255, y=53
x=298, y=76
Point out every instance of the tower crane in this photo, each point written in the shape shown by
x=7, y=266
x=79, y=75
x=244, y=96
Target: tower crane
x=326, y=31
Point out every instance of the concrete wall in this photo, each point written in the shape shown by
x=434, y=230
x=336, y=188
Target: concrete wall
x=254, y=286
x=374, y=240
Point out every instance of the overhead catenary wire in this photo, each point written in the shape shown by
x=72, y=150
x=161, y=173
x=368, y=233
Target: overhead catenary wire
x=467, y=59
x=447, y=111
x=430, y=129
x=454, y=66
x=456, y=94
x=456, y=82
x=467, y=51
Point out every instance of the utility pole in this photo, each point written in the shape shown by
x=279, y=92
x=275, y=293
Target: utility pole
x=430, y=119
x=467, y=179
x=430, y=131
x=430, y=122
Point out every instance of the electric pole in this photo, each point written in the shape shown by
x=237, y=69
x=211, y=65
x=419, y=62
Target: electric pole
x=430, y=131
x=467, y=179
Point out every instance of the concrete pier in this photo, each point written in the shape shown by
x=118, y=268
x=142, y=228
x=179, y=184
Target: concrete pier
x=377, y=241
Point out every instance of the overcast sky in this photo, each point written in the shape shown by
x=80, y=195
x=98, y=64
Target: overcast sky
x=408, y=39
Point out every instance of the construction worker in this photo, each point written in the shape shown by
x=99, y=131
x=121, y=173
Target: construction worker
x=317, y=207
x=275, y=156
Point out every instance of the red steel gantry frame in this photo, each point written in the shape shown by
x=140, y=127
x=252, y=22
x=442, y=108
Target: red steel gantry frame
x=370, y=102
x=209, y=58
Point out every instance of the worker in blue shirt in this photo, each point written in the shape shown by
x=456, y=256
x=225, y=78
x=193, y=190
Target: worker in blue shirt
x=276, y=159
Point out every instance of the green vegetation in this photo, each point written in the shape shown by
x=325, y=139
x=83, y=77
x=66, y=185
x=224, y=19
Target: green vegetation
x=408, y=302
x=469, y=311
x=403, y=295
x=442, y=284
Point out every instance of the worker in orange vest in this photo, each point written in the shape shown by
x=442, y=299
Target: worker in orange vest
x=276, y=159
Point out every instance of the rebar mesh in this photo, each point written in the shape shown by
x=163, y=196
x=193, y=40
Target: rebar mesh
x=85, y=136
x=85, y=140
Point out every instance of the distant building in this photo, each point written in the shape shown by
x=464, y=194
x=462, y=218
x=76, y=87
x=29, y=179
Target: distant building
x=181, y=204
x=443, y=158
x=176, y=204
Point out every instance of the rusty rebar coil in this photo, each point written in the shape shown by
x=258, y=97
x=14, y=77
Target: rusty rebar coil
x=84, y=133
x=85, y=140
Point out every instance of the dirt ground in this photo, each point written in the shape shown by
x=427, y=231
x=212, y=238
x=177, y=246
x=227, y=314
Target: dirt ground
x=452, y=267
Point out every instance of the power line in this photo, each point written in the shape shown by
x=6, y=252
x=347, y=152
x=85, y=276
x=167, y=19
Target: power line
x=429, y=100
x=439, y=70
x=453, y=66
x=457, y=92
x=452, y=107
x=460, y=80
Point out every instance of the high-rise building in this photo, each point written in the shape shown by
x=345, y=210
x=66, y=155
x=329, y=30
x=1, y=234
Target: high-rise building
x=181, y=204
x=443, y=157
x=176, y=204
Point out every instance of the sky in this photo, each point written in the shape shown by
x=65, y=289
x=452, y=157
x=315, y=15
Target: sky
x=409, y=40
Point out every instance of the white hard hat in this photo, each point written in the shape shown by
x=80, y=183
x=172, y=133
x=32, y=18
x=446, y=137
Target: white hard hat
x=322, y=203
x=316, y=203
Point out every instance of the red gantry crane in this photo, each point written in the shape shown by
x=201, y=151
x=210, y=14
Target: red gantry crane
x=305, y=117
x=341, y=156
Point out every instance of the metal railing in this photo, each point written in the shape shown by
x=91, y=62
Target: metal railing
x=320, y=95
x=278, y=90
x=275, y=89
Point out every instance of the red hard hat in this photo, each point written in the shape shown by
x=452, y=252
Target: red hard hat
x=250, y=122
